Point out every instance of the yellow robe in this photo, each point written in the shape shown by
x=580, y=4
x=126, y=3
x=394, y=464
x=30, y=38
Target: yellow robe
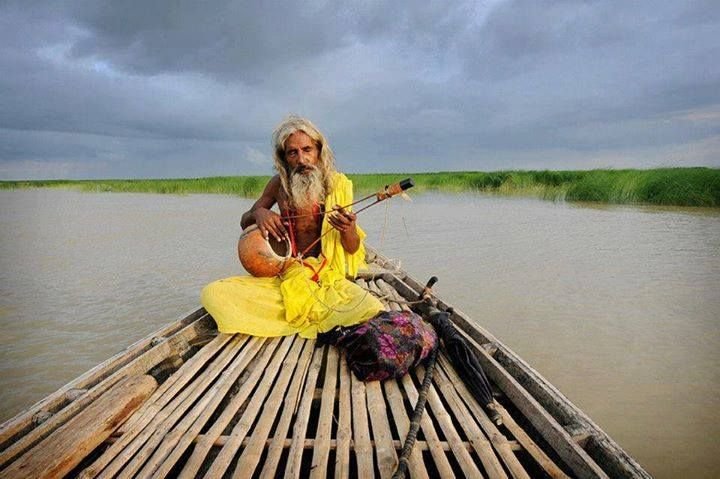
x=294, y=303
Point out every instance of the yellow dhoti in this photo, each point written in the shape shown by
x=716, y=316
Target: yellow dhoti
x=295, y=303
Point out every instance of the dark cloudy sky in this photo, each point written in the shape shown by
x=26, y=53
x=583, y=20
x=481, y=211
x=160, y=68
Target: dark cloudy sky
x=181, y=88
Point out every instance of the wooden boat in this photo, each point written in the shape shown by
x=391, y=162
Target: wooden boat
x=189, y=402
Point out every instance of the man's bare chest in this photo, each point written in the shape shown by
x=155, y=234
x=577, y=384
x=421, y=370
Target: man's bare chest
x=304, y=225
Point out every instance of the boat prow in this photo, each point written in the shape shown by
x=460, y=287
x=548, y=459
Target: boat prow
x=189, y=402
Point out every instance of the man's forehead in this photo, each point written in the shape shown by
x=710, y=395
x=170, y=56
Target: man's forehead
x=299, y=136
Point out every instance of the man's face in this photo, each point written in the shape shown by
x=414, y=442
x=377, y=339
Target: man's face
x=301, y=153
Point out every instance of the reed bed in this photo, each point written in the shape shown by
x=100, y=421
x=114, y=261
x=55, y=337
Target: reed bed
x=661, y=186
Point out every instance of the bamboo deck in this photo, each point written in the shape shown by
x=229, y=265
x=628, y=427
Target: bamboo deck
x=189, y=402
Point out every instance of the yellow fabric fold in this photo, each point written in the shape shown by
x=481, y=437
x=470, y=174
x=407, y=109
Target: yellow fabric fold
x=340, y=260
x=295, y=303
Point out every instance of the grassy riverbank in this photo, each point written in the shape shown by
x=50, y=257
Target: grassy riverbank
x=662, y=186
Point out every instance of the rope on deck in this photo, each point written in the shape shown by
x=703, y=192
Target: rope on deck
x=417, y=416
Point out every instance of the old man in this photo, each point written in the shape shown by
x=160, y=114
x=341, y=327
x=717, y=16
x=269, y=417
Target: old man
x=313, y=294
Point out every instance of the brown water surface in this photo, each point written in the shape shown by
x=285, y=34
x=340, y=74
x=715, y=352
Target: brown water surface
x=616, y=306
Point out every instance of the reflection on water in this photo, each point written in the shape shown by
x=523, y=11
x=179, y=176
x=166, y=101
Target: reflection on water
x=616, y=306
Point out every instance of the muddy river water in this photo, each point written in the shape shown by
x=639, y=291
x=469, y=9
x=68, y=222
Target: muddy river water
x=619, y=307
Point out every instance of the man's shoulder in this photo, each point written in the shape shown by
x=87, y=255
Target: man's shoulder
x=339, y=179
x=274, y=183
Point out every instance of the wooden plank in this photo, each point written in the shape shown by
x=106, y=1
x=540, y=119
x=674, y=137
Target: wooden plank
x=165, y=437
x=203, y=445
x=11, y=431
x=148, y=413
x=303, y=414
x=416, y=465
x=498, y=440
x=263, y=375
x=310, y=443
x=264, y=347
x=321, y=452
x=290, y=403
x=144, y=443
x=176, y=382
x=374, y=288
x=392, y=295
x=139, y=365
x=466, y=462
x=361, y=429
x=344, y=430
x=67, y=446
x=254, y=446
x=550, y=468
x=434, y=444
x=384, y=450
x=475, y=435
x=186, y=437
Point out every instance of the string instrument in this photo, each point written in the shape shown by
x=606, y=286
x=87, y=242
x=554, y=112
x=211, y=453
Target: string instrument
x=267, y=257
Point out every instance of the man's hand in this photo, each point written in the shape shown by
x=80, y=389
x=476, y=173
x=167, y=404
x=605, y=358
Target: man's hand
x=344, y=222
x=341, y=220
x=270, y=223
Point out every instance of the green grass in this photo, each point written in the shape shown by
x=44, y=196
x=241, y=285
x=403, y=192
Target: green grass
x=662, y=186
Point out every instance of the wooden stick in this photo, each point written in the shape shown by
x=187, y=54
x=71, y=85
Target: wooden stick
x=264, y=372
x=66, y=447
x=134, y=455
x=301, y=419
x=361, y=429
x=384, y=449
x=147, y=416
x=253, y=447
x=474, y=434
x=434, y=444
x=232, y=374
x=344, y=430
x=321, y=451
x=276, y=446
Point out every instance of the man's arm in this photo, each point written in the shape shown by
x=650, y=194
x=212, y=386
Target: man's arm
x=260, y=214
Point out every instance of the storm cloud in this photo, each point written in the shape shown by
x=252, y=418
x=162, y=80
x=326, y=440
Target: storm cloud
x=93, y=89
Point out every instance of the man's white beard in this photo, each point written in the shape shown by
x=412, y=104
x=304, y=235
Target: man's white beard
x=307, y=188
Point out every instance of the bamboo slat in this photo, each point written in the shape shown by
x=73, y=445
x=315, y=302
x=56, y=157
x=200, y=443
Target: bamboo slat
x=94, y=380
x=134, y=455
x=480, y=443
x=497, y=439
x=290, y=404
x=141, y=364
x=531, y=447
x=393, y=297
x=302, y=417
x=467, y=464
x=67, y=446
x=344, y=430
x=170, y=433
x=434, y=444
x=402, y=422
x=148, y=413
x=384, y=449
x=264, y=372
x=321, y=451
x=361, y=429
x=250, y=456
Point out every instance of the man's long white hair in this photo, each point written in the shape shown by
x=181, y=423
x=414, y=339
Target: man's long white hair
x=287, y=127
